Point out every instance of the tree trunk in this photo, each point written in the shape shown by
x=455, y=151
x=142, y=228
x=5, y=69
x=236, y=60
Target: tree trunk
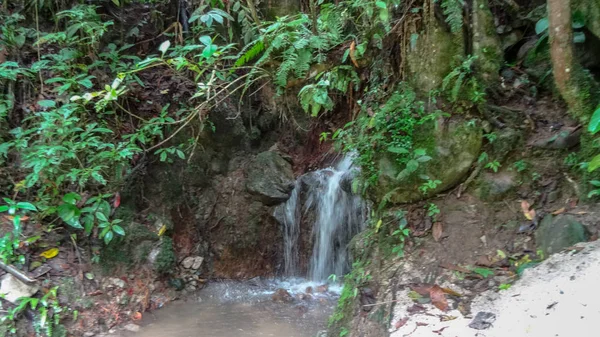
x=576, y=87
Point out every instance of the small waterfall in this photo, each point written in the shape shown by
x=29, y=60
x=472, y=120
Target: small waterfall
x=334, y=213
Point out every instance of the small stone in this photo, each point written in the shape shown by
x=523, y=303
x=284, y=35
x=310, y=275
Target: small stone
x=309, y=290
x=13, y=288
x=197, y=262
x=132, y=327
x=89, y=334
x=483, y=320
x=117, y=282
x=553, y=196
x=188, y=262
x=282, y=295
x=323, y=288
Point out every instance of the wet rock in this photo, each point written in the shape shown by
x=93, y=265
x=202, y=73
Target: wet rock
x=309, y=290
x=483, y=320
x=12, y=288
x=270, y=178
x=346, y=181
x=322, y=288
x=132, y=327
x=453, y=146
x=558, y=232
x=282, y=295
x=507, y=141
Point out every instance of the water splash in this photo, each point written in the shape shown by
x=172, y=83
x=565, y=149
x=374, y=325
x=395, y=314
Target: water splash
x=338, y=216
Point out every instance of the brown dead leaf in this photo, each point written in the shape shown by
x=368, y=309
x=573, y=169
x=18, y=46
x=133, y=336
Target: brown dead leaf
x=455, y=267
x=400, y=323
x=437, y=231
x=421, y=289
x=422, y=324
x=439, y=332
x=527, y=210
x=352, y=55
x=559, y=211
x=451, y=292
x=438, y=298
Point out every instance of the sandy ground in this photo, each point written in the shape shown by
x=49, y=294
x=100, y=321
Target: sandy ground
x=560, y=297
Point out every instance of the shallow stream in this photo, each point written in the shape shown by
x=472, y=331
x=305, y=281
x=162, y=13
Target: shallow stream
x=239, y=309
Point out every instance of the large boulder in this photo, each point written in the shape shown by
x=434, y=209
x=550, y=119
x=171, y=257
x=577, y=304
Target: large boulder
x=453, y=146
x=558, y=232
x=270, y=178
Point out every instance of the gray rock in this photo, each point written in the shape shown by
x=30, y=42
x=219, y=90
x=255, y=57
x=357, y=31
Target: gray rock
x=483, y=320
x=113, y=282
x=558, y=232
x=270, y=178
x=132, y=327
x=13, y=289
x=188, y=262
x=565, y=139
x=197, y=262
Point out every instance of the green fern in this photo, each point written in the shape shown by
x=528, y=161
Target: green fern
x=453, y=9
x=251, y=53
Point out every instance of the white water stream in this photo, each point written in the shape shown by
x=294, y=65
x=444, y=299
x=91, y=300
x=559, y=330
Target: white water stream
x=339, y=215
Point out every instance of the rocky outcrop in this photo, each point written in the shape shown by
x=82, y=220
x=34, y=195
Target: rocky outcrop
x=270, y=178
x=453, y=147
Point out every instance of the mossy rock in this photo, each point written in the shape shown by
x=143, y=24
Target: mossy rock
x=486, y=43
x=431, y=58
x=453, y=146
x=495, y=186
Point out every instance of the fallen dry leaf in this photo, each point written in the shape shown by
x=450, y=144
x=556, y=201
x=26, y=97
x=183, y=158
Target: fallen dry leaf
x=527, y=211
x=137, y=316
x=438, y=298
x=451, y=292
x=559, y=211
x=437, y=231
x=439, y=332
x=421, y=289
x=400, y=323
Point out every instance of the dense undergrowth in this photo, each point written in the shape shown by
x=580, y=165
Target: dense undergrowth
x=86, y=98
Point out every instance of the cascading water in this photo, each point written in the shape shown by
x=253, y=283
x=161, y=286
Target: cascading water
x=338, y=216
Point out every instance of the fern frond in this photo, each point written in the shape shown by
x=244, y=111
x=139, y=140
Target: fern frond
x=302, y=63
x=453, y=9
x=251, y=53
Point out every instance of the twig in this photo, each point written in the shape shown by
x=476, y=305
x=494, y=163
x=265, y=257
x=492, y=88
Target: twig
x=16, y=273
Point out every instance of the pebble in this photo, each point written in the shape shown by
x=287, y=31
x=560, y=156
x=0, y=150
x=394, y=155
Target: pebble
x=132, y=327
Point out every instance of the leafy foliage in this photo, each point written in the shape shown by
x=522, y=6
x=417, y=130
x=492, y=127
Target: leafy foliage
x=453, y=10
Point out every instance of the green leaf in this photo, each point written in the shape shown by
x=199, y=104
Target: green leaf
x=108, y=237
x=206, y=40
x=26, y=205
x=71, y=198
x=420, y=152
x=180, y=154
x=46, y=103
x=3, y=208
x=101, y=216
x=423, y=159
x=67, y=212
x=578, y=37
x=594, y=163
x=412, y=166
x=163, y=156
x=381, y=4
x=164, y=47
x=398, y=150
x=578, y=20
x=541, y=26
x=595, y=183
x=118, y=229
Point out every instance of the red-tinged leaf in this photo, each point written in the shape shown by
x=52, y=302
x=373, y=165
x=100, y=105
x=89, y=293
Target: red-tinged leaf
x=422, y=324
x=400, y=323
x=438, y=298
x=352, y=55
x=117, y=201
x=437, y=231
x=527, y=211
x=137, y=316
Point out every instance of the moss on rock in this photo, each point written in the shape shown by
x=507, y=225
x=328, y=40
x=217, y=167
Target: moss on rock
x=486, y=43
x=165, y=260
x=453, y=148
